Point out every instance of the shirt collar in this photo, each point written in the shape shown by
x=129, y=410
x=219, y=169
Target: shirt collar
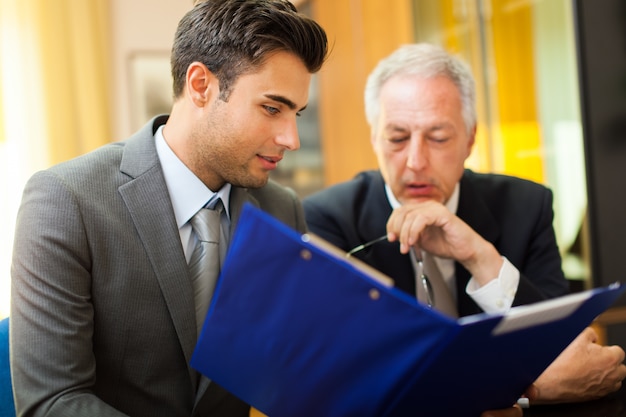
x=187, y=192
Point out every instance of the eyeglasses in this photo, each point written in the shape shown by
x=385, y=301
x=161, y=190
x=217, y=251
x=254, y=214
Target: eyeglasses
x=420, y=276
x=365, y=245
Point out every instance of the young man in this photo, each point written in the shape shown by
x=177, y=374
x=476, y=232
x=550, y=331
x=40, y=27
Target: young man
x=103, y=318
x=490, y=236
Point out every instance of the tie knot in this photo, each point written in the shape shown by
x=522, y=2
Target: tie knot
x=215, y=204
x=206, y=223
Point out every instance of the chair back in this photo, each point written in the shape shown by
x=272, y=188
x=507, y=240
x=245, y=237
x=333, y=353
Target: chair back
x=7, y=408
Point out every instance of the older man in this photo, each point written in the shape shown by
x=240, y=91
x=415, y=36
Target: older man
x=489, y=237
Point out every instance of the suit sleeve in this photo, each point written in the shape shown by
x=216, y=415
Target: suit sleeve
x=52, y=362
x=282, y=203
x=322, y=220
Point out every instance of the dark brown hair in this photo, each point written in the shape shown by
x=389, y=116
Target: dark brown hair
x=233, y=37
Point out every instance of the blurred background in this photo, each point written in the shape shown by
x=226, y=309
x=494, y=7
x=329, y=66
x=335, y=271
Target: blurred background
x=76, y=74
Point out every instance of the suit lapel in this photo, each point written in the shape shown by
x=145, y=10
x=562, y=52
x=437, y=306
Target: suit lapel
x=375, y=210
x=148, y=202
x=372, y=221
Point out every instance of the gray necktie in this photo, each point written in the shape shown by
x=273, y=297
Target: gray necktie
x=439, y=296
x=204, y=264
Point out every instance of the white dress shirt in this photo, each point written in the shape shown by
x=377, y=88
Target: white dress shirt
x=187, y=192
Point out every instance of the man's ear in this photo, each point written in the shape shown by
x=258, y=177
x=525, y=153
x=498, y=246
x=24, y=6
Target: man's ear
x=202, y=85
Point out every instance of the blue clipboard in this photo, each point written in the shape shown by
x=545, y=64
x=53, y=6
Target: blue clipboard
x=297, y=329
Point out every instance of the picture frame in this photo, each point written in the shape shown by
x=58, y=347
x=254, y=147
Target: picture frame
x=150, y=86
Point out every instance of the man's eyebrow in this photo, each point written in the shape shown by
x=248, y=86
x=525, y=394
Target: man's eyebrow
x=441, y=126
x=284, y=100
x=395, y=128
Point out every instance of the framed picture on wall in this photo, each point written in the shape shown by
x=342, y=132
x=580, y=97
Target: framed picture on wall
x=150, y=86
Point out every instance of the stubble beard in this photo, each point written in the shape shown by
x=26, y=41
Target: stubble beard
x=221, y=156
x=237, y=173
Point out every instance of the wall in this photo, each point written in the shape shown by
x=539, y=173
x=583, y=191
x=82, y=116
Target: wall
x=138, y=26
x=358, y=37
x=360, y=33
x=601, y=42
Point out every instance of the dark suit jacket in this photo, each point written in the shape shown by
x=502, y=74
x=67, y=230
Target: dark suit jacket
x=102, y=314
x=514, y=214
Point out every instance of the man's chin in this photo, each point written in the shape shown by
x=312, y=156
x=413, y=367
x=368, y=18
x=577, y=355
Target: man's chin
x=251, y=182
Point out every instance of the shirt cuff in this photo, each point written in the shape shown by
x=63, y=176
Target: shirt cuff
x=498, y=294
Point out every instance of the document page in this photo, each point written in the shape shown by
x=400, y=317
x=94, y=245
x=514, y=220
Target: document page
x=531, y=315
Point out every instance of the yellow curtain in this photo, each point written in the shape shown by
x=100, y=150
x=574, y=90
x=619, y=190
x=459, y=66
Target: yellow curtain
x=2, y=133
x=54, y=96
x=74, y=36
x=360, y=33
x=510, y=142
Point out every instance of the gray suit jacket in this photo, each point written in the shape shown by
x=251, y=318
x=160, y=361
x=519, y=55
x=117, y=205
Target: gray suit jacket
x=102, y=314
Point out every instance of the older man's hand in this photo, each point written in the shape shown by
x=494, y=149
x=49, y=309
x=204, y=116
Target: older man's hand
x=584, y=371
x=433, y=228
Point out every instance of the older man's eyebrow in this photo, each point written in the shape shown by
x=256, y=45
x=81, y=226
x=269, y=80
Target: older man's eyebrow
x=284, y=100
x=441, y=126
x=395, y=128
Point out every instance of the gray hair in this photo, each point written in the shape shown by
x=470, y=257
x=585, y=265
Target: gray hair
x=428, y=61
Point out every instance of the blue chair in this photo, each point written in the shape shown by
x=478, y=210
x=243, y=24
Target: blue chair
x=7, y=408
